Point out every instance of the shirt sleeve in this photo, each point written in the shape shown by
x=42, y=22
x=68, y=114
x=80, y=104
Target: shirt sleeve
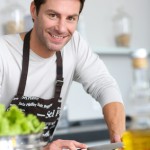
x=1, y=74
x=92, y=73
x=2, y=59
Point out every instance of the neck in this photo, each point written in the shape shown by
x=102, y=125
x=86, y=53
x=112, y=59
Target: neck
x=38, y=48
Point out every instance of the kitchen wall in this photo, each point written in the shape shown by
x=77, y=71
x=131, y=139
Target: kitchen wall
x=98, y=16
x=96, y=25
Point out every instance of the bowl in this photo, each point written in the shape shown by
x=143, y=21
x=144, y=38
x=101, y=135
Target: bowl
x=22, y=142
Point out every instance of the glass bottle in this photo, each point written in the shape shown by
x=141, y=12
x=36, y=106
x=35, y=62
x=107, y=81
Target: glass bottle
x=137, y=136
x=13, y=20
x=140, y=92
x=122, y=28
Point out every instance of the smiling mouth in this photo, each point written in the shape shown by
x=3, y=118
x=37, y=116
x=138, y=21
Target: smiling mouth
x=57, y=36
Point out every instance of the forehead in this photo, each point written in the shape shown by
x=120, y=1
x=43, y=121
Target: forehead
x=62, y=6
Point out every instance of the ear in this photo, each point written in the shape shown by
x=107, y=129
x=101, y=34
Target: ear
x=33, y=10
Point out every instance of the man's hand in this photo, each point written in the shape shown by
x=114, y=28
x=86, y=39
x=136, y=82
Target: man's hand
x=116, y=138
x=64, y=144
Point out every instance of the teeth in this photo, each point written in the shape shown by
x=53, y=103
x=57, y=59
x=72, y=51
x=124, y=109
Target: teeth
x=58, y=37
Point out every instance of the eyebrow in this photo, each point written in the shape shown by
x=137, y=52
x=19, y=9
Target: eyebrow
x=53, y=11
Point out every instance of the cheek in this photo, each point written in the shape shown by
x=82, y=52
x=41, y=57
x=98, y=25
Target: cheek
x=43, y=21
x=47, y=23
x=72, y=28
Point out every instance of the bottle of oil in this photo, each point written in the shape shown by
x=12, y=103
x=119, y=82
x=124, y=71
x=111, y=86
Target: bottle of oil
x=137, y=136
x=136, y=139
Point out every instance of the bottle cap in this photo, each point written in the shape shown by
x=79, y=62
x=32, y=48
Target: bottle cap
x=140, y=53
x=140, y=58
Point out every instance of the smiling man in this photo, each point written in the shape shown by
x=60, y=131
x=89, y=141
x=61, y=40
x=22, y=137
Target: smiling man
x=39, y=66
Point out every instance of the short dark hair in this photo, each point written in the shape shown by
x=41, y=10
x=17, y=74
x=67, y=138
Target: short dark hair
x=38, y=4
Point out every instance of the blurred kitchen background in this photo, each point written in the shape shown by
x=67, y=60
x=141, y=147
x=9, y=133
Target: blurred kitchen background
x=97, y=25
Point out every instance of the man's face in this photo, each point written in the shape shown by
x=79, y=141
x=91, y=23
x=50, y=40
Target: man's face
x=55, y=22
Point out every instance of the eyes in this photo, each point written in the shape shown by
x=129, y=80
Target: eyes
x=54, y=16
x=72, y=18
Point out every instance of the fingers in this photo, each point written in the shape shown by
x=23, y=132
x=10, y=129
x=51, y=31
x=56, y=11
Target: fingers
x=65, y=144
x=116, y=138
x=80, y=145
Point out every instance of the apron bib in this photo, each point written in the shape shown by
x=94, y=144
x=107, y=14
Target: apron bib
x=47, y=110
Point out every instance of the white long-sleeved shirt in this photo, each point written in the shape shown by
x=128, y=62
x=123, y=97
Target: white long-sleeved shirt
x=79, y=64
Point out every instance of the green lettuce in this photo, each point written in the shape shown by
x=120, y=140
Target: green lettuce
x=15, y=122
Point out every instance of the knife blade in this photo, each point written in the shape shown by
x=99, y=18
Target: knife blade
x=110, y=146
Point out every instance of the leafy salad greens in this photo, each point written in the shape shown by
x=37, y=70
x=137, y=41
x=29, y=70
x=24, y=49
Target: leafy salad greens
x=15, y=122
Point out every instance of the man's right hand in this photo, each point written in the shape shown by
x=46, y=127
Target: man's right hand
x=65, y=144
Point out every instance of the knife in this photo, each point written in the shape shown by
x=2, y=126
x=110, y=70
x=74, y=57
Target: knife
x=110, y=146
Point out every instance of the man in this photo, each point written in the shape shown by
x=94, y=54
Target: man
x=38, y=67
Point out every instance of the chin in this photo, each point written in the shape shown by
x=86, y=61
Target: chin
x=55, y=48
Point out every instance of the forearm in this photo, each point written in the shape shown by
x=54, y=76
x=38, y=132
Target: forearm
x=114, y=115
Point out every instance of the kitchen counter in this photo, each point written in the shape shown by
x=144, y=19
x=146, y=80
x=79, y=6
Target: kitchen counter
x=84, y=131
x=88, y=131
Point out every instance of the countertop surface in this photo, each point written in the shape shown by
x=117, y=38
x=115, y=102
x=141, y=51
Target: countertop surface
x=84, y=131
x=87, y=131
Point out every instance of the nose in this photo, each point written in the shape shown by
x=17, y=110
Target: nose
x=61, y=26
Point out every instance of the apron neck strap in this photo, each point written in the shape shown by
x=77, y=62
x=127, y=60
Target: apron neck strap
x=25, y=65
x=59, y=77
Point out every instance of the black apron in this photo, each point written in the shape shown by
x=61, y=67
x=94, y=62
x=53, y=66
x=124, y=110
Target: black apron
x=47, y=110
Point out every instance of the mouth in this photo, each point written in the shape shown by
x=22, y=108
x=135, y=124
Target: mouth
x=57, y=36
